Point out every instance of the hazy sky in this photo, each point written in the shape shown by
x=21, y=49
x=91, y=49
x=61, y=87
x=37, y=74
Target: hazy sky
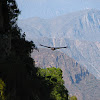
x=52, y=8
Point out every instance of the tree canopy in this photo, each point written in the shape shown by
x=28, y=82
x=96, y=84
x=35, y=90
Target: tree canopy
x=54, y=77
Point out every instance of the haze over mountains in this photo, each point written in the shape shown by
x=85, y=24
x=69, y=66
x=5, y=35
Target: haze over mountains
x=52, y=8
x=83, y=25
x=80, y=31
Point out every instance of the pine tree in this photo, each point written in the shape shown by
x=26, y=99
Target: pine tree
x=17, y=67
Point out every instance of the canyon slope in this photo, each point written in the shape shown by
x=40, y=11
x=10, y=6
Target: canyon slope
x=77, y=79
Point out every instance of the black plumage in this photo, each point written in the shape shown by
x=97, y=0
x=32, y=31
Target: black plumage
x=53, y=48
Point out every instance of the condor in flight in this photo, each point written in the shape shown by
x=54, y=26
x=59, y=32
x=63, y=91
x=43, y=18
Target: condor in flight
x=53, y=48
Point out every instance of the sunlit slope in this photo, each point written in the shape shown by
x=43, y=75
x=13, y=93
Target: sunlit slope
x=77, y=79
x=84, y=52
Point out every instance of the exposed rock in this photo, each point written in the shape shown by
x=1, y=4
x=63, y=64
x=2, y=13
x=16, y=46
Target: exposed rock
x=77, y=79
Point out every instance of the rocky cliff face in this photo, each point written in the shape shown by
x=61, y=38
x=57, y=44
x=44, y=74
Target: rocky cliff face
x=85, y=53
x=77, y=79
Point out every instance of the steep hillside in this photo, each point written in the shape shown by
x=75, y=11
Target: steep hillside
x=77, y=79
x=84, y=52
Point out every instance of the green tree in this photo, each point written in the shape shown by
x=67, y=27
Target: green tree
x=10, y=14
x=72, y=98
x=55, y=83
x=2, y=89
x=18, y=67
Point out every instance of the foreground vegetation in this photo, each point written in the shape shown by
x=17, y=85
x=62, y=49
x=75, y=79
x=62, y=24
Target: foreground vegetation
x=19, y=78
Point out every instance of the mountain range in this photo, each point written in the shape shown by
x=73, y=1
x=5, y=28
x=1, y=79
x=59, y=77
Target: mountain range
x=83, y=25
x=78, y=80
x=80, y=31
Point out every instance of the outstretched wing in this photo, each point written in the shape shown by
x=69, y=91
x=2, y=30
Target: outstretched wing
x=44, y=46
x=60, y=47
x=35, y=49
